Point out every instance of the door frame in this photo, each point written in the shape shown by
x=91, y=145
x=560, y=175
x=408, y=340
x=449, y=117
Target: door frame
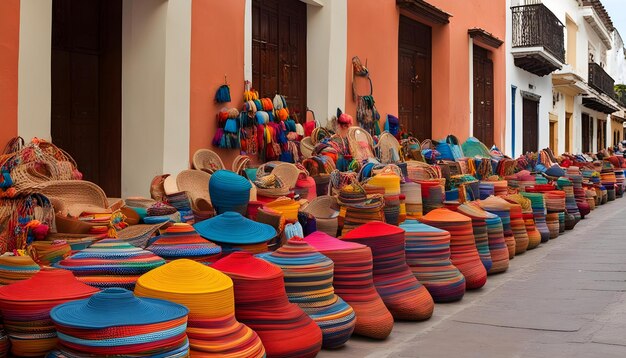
x=528, y=97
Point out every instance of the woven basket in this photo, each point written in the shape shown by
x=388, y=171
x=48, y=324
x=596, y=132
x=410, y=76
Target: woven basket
x=325, y=211
x=307, y=147
x=138, y=235
x=195, y=183
x=288, y=173
x=388, y=149
x=139, y=202
x=421, y=171
x=361, y=144
x=207, y=160
x=71, y=192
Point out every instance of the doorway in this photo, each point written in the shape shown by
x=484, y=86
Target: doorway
x=279, y=51
x=587, y=127
x=414, y=78
x=568, y=132
x=483, y=96
x=86, y=71
x=530, y=123
x=554, y=130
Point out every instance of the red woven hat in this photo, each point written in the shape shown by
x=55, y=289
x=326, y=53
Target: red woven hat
x=47, y=285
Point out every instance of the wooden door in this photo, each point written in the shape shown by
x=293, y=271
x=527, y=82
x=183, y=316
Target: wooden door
x=86, y=68
x=568, y=132
x=279, y=51
x=483, y=96
x=554, y=130
x=586, y=132
x=530, y=114
x=414, y=78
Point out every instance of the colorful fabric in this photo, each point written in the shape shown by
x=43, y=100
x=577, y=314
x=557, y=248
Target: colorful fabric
x=405, y=297
x=212, y=327
x=354, y=284
x=309, y=281
x=111, y=263
x=261, y=303
x=182, y=241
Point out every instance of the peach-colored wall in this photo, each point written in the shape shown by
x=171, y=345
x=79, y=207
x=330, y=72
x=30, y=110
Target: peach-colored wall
x=217, y=37
x=373, y=35
x=9, y=49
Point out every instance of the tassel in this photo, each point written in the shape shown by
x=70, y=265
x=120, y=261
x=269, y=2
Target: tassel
x=223, y=94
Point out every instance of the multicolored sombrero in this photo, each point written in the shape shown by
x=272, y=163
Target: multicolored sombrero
x=16, y=268
x=403, y=295
x=354, y=283
x=309, y=283
x=212, y=327
x=115, y=322
x=463, y=252
x=231, y=229
x=182, y=241
x=111, y=263
x=26, y=305
x=261, y=303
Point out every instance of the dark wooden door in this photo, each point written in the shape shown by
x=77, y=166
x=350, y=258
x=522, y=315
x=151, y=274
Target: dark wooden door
x=483, y=96
x=86, y=87
x=414, y=78
x=530, y=114
x=279, y=51
x=586, y=132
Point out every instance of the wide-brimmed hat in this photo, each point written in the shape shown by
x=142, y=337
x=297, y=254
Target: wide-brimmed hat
x=233, y=228
x=207, y=160
x=182, y=241
x=47, y=285
x=16, y=268
x=229, y=191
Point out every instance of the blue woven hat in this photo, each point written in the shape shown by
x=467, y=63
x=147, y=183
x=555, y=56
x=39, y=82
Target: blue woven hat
x=229, y=191
x=233, y=228
x=116, y=307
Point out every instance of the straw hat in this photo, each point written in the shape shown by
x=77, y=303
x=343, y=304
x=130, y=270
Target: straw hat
x=74, y=194
x=288, y=173
x=325, y=210
x=207, y=160
x=233, y=228
x=138, y=235
x=195, y=183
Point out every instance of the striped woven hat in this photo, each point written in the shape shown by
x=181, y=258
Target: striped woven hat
x=229, y=192
x=233, y=229
x=570, y=202
x=212, y=327
x=428, y=256
x=182, y=241
x=26, y=305
x=354, y=283
x=309, y=283
x=463, y=252
x=497, y=245
x=539, y=212
x=261, y=303
x=534, y=237
x=403, y=295
x=502, y=208
x=115, y=322
x=111, y=263
x=16, y=268
x=481, y=236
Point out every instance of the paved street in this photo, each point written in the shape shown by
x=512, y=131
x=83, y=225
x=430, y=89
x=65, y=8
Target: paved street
x=566, y=298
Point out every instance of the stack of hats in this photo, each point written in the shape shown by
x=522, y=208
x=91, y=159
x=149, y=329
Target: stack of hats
x=573, y=173
x=608, y=180
x=619, y=182
x=479, y=226
x=161, y=212
x=16, y=268
x=463, y=252
x=573, y=216
x=358, y=208
x=47, y=253
x=428, y=256
x=229, y=192
x=539, y=212
x=555, y=204
x=182, y=241
x=390, y=182
x=180, y=200
x=502, y=208
x=286, y=207
x=353, y=282
x=116, y=323
x=500, y=187
x=486, y=189
x=26, y=305
x=403, y=295
x=212, y=327
x=111, y=263
x=413, y=199
x=552, y=220
x=534, y=237
x=309, y=282
x=519, y=228
x=497, y=245
x=232, y=231
x=433, y=194
x=261, y=303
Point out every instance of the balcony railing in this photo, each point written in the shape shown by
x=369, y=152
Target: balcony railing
x=600, y=80
x=536, y=26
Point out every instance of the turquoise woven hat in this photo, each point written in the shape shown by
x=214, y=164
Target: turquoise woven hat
x=233, y=228
x=229, y=191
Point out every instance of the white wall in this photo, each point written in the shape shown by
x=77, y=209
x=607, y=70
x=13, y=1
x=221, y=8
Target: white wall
x=34, y=80
x=616, y=61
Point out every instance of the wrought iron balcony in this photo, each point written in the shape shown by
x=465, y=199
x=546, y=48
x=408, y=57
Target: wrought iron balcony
x=600, y=80
x=538, y=39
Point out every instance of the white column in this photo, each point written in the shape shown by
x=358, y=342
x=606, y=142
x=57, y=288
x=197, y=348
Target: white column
x=34, y=68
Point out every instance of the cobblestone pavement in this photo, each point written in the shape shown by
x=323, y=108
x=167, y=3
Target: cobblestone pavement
x=567, y=298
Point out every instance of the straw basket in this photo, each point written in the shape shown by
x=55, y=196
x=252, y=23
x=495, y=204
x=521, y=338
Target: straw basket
x=421, y=171
x=361, y=143
x=388, y=149
x=307, y=147
x=195, y=183
x=207, y=160
x=288, y=173
x=325, y=211
x=69, y=193
x=138, y=235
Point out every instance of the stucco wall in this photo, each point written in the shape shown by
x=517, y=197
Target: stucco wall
x=9, y=49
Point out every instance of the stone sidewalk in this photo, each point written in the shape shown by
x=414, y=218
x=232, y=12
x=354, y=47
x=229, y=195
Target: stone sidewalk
x=567, y=298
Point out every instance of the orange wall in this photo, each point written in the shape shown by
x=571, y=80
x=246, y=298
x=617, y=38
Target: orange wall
x=217, y=38
x=9, y=47
x=373, y=35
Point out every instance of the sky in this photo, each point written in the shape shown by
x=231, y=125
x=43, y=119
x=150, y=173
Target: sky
x=617, y=11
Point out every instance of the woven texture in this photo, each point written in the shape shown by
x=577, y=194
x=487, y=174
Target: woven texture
x=481, y=235
x=405, y=297
x=502, y=208
x=16, y=268
x=182, y=241
x=229, y=192
x=497, y=245
x=539, y=212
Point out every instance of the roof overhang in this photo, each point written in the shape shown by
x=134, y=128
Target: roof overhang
x=536, y=60
x=598, y=104
x=591, y=16
x=568, y=82
x=424, y=10
x=485, y=38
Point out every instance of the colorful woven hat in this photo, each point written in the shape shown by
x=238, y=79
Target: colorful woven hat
x=403, y=295
x=309, y=282
x=519, y=228
x=354, y=214
x=182, y=241
x=16, y=268
x=229, y=192
x=463, y=252
x=481, y=236
x=353, y=282
x=497, y=245
x=26, y=305
x=111, y=263
x=261, y=303
x=47, y=253
x=233, y=229
x=502, y=208
x=534, y=237
x=539, y=212
x=212, y=327
x=115, y=322
x=428, y=256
